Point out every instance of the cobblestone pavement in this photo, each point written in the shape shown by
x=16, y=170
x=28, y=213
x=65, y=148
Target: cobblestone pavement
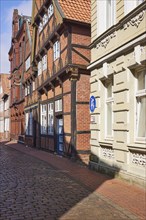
x=32, y=189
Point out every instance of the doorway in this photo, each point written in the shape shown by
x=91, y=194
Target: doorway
x=59, y=134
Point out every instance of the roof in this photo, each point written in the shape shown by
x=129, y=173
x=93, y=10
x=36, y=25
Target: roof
x=78, y=10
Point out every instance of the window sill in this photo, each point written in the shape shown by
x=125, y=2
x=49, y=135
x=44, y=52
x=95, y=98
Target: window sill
x=106, y=143
x=137, y=147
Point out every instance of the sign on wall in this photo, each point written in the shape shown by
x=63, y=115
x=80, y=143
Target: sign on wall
x=92, y=103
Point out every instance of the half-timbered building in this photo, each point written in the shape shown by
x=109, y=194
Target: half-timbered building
x=60, y=56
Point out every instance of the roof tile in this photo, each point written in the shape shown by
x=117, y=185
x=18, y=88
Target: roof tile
x=78, y=10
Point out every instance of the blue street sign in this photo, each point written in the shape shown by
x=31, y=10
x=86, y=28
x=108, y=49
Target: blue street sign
x=92, y=103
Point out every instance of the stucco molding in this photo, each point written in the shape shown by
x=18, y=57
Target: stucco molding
x=105, y=41
x=135, y=21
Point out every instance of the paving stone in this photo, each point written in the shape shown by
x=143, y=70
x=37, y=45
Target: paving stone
x=36, y=190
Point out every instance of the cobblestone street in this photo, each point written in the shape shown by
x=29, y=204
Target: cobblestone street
x=31, y=188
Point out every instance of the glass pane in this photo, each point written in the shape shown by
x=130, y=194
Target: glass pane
x=109, y=118
x=142, y=118
x=108, y=13
x=141, y=80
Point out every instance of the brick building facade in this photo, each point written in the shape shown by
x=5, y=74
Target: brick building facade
x=19, y=57
x=4, y=106
x=57, y=111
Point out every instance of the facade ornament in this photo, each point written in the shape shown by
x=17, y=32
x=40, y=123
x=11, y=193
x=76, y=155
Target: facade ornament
x=107, y=153
x=105, y=41
x=138, y=159
x=135, y=21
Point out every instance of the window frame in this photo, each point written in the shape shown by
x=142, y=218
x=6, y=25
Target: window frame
x=138, y=96
x=56, y=50
x=43, y=113
x=51, y=113
x=109, y=100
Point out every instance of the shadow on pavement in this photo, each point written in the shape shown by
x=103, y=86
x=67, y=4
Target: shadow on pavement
x=58, y=189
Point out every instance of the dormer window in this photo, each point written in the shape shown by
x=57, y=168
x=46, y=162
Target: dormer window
x=50, y=11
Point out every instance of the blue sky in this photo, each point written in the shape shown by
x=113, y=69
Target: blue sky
x=6, y=12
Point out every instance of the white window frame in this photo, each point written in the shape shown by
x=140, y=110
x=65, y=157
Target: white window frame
x=56, y=50
x=58, y=105
x=6, y=124
x=1, y=89
x=138, y=96
x=29, y=123
x=40, y=67
x=50, y=118
x=40, y=27
x=45, y=19
x=129, y=5
x=1, y=106
x=102, y=12
x=109, y=100
x=50, y=11
x=43, y=122
x=44, y=62
x=26, y=123
x=33, y=85
x=27, y=63
x=1, y=125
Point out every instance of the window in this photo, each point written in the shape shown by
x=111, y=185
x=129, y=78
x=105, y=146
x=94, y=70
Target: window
x=45, y=19
x=130, y=5
x=27, y=63
x=106, y=10
x=43, y=119
x=6, y=104
x=1, y=89
x=1, y=106
x=44, y=62
x=50, y=11
x=50, y=118
x=29, y=123
x=1, y=125
x=56, y=49
x=39, y=68
x=20, y=53
x=40, y=27
x=6, y=124
x=58, y=105
x=33, y=85
x=141, y=106
x=109, y=109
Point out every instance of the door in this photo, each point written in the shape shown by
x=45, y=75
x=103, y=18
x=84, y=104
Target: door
x=60, y=135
